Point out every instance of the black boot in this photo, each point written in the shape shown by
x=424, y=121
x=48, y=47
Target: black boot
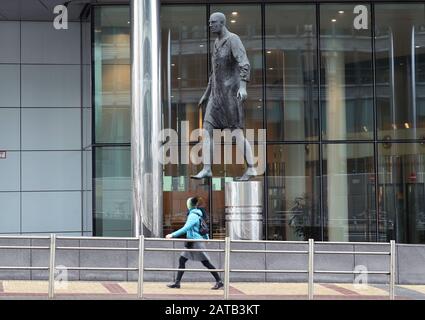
x=218, y=285
x=174, y=285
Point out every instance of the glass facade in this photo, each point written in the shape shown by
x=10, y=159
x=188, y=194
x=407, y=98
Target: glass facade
x=338, y=89
x=111, y=121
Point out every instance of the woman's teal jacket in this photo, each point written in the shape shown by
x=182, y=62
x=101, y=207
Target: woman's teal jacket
x=191, y=227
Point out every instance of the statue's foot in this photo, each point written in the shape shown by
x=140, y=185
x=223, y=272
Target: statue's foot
x=204, y=173
x=249, y=173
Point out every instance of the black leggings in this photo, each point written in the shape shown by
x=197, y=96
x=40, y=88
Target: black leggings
x=206, y=263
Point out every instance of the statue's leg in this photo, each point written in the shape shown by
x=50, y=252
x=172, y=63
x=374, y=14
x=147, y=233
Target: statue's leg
x=246, y=150
x=207, y=144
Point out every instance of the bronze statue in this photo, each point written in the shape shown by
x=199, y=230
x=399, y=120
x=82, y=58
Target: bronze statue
x=225, y=94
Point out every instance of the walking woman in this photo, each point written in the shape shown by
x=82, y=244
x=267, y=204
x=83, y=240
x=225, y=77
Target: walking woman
x=192, y=231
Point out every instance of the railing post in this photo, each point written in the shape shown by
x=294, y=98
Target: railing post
x=226, y=268
x=52, y=266
x=141, y=260
x=392, y=269
x=310, y=269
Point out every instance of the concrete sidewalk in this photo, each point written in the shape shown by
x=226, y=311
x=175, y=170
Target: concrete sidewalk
x=201, y=290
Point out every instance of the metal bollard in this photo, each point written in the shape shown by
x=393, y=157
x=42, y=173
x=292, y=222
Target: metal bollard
x=310, y=269
x=226, y=268
x=140, y=279
x=392, y=270
x=52, y=266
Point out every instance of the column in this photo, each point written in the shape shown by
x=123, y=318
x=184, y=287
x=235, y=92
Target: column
x=146, y=118
x=336, y=153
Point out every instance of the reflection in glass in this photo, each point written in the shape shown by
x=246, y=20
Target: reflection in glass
x=400, y=63
x=184, y=79
x=113, y=209
x=178, y=186
x=111, y=70
x=401, y=192
x=347, y=74
x=291, y=72
x=349, y=192
x=184, y=59
x=293, y=192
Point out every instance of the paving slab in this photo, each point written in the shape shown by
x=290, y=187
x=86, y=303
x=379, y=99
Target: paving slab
x=12, y=289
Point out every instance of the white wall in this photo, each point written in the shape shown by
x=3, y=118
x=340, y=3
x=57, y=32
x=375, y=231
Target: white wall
x=41, y=187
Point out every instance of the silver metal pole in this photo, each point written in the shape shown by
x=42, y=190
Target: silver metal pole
x=310, y=269
x=52, y=266
x=392, y=269
x=140, y=279
x=226, y=268
x=146, y=118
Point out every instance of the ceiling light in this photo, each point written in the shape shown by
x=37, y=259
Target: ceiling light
x=233, y=21
x=179, y=78
x=406, y=125
x=234, y=13
x=269, y=52
x=340, y=11
x=201, y=45
x=333, y=20
x=173, y=65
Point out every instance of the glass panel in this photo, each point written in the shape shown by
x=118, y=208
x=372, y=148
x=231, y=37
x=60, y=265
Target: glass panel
x=293, y=194
x=347, y=74
x=401, y=192
x=291, y=72
x=226, y=173
x=349, y=192
x=245, y=21
x=113, y=210
x=10, y=84
x=50, y=86
x=184, y=57
x=178, y=186
x=10, y=215
x=184, y=80
x=400, y=54
x=112, y=69
x=10, y=127
x=50, y=171
x=10, y=172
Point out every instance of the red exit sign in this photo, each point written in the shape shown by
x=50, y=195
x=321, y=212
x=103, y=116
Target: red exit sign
x=3, y=154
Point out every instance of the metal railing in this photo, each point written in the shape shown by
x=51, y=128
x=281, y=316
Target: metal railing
x=142, y=249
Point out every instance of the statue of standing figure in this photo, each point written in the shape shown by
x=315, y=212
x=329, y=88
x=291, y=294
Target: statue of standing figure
x=225, y=94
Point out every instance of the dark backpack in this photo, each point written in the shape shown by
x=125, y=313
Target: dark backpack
x=204, y=229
